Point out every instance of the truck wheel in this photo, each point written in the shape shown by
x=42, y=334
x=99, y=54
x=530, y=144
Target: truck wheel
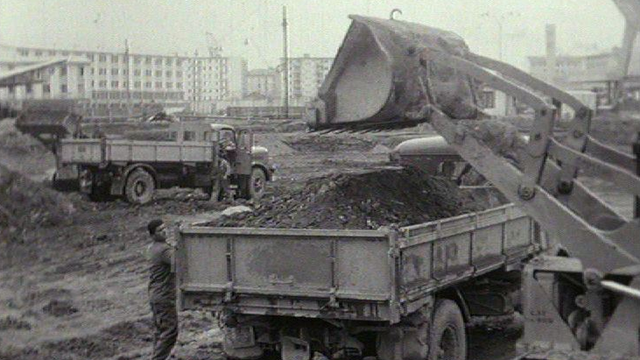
x=257, y=184
x=140, y=187
x=447, y=337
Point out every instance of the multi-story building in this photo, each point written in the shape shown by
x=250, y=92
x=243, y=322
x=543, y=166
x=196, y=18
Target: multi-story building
x=263, y=83
x=114, y=82
x=211, y=80
x=306, y=75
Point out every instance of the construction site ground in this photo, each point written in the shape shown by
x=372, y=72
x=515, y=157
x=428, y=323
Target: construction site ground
x=74, y=287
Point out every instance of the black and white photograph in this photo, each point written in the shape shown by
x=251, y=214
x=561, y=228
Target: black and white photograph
x=320, y=180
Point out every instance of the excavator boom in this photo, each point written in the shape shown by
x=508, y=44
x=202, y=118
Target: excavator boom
x=390, y=74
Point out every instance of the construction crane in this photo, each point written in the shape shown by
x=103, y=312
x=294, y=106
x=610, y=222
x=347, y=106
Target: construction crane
x=585, y=298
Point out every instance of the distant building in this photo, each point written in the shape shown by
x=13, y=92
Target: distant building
x=306, y=75
x=263, y=84
x=496, y=103
x=112, y=81
x=598, y=73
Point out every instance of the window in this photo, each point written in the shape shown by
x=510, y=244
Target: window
x=102, y=71
x=124, y=72
x=147, y=60
x=38, y=53
x=52, y=70
x=102, y=58
x=179, y=73
x=169, y=85
x=65, y=53
x=80, y=87
x=189, y=136
x=169, y=73
x=93, y=71
x=114, y=84
x=148, y=72
x=102, y=84
x=81, y=71
x=158, y=73
x=179, y=85
x=23, y=52
x=488, y=100
x=137, y=60
x=46, y=88
x=178, y=62
x=63, y=88
x=29, y=88
x=147, y=84
x=114, y=71
x=137, y=84
x=90, y=56
x=136, y=72
x=168, y=61
x=158, y=61
x=114, y=58
x=52, y=53
x=158, y=85
x=63, y=71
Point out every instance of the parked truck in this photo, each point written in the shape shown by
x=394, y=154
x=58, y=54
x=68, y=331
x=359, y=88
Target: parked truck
x=213, y=157
x=397, y=293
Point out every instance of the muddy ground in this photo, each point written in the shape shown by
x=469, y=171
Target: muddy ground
x=77, y=289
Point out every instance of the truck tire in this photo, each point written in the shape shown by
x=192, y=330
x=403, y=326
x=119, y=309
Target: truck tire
x=447, y=336
x=257, y=184
x=140, y=187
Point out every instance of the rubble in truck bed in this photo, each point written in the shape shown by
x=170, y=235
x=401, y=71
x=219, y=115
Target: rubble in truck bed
x=365, y=201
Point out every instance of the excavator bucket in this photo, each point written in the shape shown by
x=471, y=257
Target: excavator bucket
x=378, y=80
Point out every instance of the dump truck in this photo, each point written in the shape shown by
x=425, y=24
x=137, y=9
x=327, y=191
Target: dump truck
x=581, y=302
x=213, y=157
x=392, y=293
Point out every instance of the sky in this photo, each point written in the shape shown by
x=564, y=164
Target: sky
x=253, y=28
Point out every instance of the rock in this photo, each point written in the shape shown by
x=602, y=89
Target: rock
x=236, y=210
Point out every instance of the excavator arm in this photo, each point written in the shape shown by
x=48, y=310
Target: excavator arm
x=390, y=74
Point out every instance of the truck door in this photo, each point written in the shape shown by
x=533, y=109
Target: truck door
x=244, y=157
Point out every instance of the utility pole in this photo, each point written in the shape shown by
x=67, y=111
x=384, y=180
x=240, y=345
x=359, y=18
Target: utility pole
x=286, y=62
x=126, y=59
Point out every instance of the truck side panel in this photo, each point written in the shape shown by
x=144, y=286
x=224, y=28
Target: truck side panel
x=449, y=251
x=295, y=272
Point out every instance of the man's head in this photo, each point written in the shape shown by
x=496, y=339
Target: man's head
x=157, y=229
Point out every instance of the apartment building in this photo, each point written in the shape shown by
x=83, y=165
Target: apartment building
x=263, y=83
x=306, y=75
x=112, y=82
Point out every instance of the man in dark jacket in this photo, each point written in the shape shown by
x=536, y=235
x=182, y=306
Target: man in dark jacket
x=162, y=291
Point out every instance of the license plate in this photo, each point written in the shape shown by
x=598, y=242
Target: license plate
x=240, y=337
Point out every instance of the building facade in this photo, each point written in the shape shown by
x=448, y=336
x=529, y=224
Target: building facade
x=113, y=82
x=263, y=84
x=305, y=76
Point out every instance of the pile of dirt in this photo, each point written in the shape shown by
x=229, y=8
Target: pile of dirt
x=26, y=204
x=334, y=143
x=363, y=201
x=23, y=153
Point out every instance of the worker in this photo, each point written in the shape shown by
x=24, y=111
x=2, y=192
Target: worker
x=162, y=291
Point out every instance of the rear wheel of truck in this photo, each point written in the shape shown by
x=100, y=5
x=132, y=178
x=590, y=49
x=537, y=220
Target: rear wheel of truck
x=447, y=336
x=140, y=187
x=257, y=184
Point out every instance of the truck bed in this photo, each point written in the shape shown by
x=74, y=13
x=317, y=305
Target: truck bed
x=97, y=151
x=376, y=275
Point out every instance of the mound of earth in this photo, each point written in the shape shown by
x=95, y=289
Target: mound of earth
x=364, y=201
x=23, y=153
x=334, y=143
x=25, y=204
